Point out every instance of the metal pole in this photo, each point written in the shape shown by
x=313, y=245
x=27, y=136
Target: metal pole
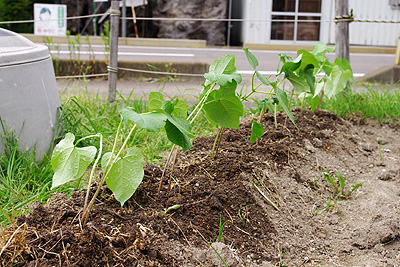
x=78, y=23
x=229, y=23
x=94, y=19
x=124, y=15
x=144, y=15
x=113, y=67
x=342, y=30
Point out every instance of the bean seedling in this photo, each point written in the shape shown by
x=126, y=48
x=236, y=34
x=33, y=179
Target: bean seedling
x=122, y=173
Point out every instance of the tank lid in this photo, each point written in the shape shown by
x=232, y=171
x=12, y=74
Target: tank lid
x=16, y=49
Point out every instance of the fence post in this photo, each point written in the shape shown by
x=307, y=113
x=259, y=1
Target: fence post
x=342, y=30
x=113, y=64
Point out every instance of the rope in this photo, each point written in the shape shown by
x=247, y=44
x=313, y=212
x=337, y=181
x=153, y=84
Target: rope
x=227, y=20
x=115, y=70
x=82, y=76
x=348, y=18
x=161, y=72
x=376, y=21
x=68, y=18
x=112, y=69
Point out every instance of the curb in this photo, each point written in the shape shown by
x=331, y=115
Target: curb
x=97, y=40
x=295, y=47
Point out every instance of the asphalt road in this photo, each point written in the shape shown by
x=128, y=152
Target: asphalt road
x=268, y=60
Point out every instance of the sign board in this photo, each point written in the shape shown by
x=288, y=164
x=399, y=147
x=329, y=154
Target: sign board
x=50, y=19
x=134, y=2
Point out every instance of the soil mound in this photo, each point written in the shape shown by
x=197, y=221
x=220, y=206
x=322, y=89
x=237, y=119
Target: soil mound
x=256, y=204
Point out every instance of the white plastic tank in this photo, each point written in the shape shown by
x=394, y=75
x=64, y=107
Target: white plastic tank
x=29, y=97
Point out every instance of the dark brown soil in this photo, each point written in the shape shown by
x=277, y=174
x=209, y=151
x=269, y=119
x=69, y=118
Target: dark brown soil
x=270, y=196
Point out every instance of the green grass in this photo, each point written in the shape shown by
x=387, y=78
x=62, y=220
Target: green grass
x=381, y=104
x=22, y=180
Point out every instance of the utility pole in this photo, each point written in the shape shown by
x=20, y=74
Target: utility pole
x=342, y=30
x=113, y=64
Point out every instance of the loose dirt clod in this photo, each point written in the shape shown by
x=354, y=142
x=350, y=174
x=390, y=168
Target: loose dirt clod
x=240, y=186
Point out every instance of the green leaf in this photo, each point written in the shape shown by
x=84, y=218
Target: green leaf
x=319, y=87
x=156, y=100
x=315, y=102
x=308, y=74
x=344, y=65
x=327, y=67
x=257, y=131
x=180, y=109
x=292, y=65
x=181, y=124
x=300, y=84
x=283, y=101
x=177, y=136
x=262, y=78
x=69, y=163
x=178, y=131
x=229, y=89
x=307, y=59
x=320, y=49
x=251, y=58
x=125, y=175
x=226, y=110
x=168, y=107
x=223, y=71
x=151, y=121
x=336, y=81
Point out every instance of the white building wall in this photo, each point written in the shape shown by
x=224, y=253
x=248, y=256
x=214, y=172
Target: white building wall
x=256, y=31
x=372, y=34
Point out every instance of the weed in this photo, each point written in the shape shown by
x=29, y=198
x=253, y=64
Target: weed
x=221, y=226
x=337, y=186
x=22, y=179
x=106, y=40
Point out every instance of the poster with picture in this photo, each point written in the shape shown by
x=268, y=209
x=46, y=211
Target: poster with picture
x=50, y=20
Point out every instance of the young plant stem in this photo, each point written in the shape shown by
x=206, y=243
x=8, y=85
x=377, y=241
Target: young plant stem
x=262, y=113
x=172, y=171
x=275, y=120
x=165, y=168
x=290, y=102
x=217, y=141
x=320, y=101
x=86, y=212
x=86, y=137
x=92, y=172
x=193, y=115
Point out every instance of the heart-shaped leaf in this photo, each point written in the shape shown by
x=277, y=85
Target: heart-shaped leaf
x=69, y=162
x=226, y=110
x=151, y=121
x=176, y=136
x=300, y=84
x=223, y=71
x=180, y=109
x=126, y=174
x=156, y=100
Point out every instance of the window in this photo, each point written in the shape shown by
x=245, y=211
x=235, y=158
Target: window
x=301, y=20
